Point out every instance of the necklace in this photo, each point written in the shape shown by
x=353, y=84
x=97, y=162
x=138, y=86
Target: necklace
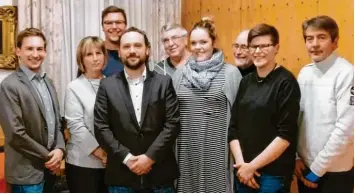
x=92, y=86
x=262, y=79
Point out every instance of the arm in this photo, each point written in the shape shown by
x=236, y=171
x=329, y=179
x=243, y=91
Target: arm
x=103, y=133
x=237, y=152
x=288, y=110
x=167, y=136
x=13, y=125
x=74, y=114
x=343, y=133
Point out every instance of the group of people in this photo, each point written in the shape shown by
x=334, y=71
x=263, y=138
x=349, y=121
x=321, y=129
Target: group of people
x=193, y=124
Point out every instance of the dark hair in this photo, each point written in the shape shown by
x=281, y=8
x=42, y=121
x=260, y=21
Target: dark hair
x=207, y=24
x=30, y=32
x=322, y=22
x=264, y=30
x=134, y=29
x=113, y=9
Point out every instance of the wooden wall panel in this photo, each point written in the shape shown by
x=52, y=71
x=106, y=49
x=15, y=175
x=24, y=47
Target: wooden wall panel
x=231, y=16
x=342, y=11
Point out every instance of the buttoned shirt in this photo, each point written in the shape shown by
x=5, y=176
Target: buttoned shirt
x=37, y=81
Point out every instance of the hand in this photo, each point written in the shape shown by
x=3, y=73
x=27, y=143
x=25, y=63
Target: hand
x=245, y=172
x=308, y=183
x=100, y=154
x=131, y=161
x=143, y=165
x=55, y=159
x=299, y=168
x=253, y=184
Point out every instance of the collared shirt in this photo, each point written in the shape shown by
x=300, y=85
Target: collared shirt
x=37, y=81
x=136, y=91
x=165, y=67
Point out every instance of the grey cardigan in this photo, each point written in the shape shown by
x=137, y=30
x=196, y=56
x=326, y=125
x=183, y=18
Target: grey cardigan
x=233, y=78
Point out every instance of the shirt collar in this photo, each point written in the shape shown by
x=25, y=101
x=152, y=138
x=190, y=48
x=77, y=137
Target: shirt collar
x=30, y=74
x=326, y=63
x=142, y=77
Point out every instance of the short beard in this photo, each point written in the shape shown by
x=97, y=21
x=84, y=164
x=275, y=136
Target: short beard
x=137, y=66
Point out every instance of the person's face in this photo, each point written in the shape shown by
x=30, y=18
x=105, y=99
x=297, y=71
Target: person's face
x=263, y=51
x=240, y=50
x=319, y=44
x=94, y=59
x=113, y=26
x=32, y=52
x=174, y=42
x=133, y=51
x=201, y=44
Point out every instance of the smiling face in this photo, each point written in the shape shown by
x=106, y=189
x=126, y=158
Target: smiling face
x=113, y=25
x=133, y=51
x=201, y=44
x=174, y=42
x=32, y=52
x=240, y=50
x=262, y=51
x=319, y=44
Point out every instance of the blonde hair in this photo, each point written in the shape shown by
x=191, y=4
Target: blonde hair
x=207, y=24
x=83, y=46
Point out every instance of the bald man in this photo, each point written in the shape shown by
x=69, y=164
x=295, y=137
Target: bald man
x=241, y=54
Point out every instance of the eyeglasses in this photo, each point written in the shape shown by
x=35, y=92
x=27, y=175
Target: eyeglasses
x=173, y=38
x=117, y=22
x=262, y=47
x=242, y=47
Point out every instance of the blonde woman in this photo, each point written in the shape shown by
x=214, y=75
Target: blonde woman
x=85, y=162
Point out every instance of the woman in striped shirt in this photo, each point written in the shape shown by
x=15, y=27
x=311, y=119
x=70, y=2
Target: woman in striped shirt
x=206, y=89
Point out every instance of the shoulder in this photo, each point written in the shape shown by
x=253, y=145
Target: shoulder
x=160, y=77
x=159, y=67
x=76, y=84
x=10, y=82
x=232, y=73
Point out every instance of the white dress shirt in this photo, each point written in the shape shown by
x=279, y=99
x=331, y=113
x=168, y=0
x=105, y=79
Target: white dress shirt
x=135, y=86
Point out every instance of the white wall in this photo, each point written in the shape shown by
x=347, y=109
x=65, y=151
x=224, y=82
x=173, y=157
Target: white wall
x=4, y=73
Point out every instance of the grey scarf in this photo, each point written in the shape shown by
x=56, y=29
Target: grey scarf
x=200, y=74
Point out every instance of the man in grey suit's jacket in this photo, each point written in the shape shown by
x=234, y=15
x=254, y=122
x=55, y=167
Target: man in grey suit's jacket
x=29, y=115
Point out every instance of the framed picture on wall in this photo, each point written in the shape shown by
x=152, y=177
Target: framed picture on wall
x=8, y=22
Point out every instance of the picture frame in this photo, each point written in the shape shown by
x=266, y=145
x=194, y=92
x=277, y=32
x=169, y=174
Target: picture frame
x=8, y=23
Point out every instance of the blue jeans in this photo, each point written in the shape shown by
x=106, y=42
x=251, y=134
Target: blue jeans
x=160, y=189
x=37, y=188
x=268, y=184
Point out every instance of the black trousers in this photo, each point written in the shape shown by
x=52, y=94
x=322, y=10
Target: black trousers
x=331, y=182
x=85, y=180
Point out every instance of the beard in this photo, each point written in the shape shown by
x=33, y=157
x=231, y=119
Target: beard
x=135, y=65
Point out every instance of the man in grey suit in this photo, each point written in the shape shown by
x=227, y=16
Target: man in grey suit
x=29, y=115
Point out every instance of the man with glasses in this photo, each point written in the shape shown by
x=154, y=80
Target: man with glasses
x=114, y=22
x=241, y=54
x=175, y=41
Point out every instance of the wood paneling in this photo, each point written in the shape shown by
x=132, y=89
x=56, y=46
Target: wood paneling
x=232, y=16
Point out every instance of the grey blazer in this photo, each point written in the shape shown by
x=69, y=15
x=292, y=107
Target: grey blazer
x=25, y=128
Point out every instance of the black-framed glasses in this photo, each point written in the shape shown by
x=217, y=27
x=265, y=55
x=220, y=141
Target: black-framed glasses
x=242, y=47
x=111, y=22
x=262, y=47
x=165, y=41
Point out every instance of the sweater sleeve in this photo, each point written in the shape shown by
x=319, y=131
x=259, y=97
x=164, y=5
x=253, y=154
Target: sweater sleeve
x=343, y=133
x=74, y=114
x=288, y=109
x=233, y=125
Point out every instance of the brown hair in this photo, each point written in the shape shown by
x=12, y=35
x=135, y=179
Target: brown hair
x=207, y=24
x=30, y=32
x=81, y=51
x=113, y=9
x=134, y=29
x=264, y=30
x=322, y=22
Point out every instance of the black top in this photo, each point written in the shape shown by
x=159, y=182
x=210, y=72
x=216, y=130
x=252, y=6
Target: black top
x=247, y=70
x=265, y=109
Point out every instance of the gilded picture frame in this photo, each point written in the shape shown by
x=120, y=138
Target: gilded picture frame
x=8, y=23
